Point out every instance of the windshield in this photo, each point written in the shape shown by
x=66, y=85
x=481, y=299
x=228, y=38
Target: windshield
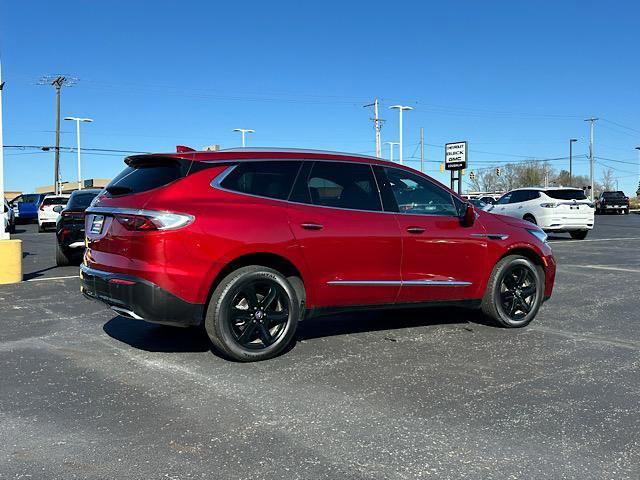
x=80, y=201
x=613, y=194
x=568, y=194
x=55, y=201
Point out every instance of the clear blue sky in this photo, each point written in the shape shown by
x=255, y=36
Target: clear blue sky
x=515, y=79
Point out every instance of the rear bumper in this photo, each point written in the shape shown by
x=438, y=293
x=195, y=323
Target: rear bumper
x=136, y=298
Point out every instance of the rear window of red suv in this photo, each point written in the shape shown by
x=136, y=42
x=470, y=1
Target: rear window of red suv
x=144, y=174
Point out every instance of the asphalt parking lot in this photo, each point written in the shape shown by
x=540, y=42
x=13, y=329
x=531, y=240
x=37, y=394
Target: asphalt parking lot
x=397, y=395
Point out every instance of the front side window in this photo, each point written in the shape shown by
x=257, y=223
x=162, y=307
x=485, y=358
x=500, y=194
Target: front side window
x=337, y=185
x=417, y=195
x=272, y=179
x=503, y=200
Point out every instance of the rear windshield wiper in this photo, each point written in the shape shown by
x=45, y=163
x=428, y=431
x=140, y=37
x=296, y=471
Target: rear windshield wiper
x=118, y=190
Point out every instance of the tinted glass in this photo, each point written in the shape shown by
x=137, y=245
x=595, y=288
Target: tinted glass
x=613, y=194
x=566, y=194
x=55, y=201
x=266, y=179
x=27, y=199
x=146, y=174
x=80, y=201
x=518, y=196
x=342, y=185
x=503, y=200
x=417, y=195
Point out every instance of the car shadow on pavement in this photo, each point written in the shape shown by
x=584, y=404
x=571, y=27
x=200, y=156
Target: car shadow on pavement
x=157, y=338
x=358, y=322
x=37, y=273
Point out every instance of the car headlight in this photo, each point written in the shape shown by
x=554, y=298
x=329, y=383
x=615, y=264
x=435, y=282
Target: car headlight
x=539, y=234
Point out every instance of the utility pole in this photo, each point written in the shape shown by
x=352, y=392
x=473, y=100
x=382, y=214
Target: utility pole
x=592, y=121
x=391, y=145
x=377, y=126
x=3, y=235
x=243, y=131
x=571, y=141
x=58, y=81
x=400, y=109
x=422, y=149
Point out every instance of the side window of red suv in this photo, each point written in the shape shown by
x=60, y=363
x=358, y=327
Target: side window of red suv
x=338, y=185
x=416, y=195
x=272, y=179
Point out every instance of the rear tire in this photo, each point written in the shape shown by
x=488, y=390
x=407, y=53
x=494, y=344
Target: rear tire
x=62, y=259
x=579, y=234
x=626, y=211
x=514, y=292
x=253, y=314
x=40, y=228
x=12, y=228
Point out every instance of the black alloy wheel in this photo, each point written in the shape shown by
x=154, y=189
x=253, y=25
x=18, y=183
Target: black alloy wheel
x=518, y=292
x=514, y=292
x=253, y=313
x=258, y=314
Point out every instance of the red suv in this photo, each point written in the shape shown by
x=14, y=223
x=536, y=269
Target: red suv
x=251, y=241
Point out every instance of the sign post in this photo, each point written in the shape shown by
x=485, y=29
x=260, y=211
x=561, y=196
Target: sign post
x=455, y=160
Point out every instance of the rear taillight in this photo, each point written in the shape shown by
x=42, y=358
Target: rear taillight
x=136, y=222
x=548, y=205
x=147, y=220
x=42, y=207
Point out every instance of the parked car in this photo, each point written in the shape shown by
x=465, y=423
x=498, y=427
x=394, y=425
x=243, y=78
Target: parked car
x=25, y=206
x=50, y=209
x=554, y=209
x=251, y=241
x=616, y=202
x=70, y=227
x=8, y=218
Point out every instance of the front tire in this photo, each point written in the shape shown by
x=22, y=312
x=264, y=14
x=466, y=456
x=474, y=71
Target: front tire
x=253, y=314
x=579, y=234
x=514, y=292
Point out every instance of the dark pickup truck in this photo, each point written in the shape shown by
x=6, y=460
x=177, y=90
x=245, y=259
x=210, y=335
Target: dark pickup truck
x=616, y=202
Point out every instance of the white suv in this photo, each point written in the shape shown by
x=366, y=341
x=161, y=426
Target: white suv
x=50, y=209
x=554, y=209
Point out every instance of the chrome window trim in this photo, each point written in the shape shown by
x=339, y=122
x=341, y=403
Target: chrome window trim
x=216, y=183
x=410, y=283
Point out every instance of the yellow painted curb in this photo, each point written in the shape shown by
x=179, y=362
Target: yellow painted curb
x=10, y=261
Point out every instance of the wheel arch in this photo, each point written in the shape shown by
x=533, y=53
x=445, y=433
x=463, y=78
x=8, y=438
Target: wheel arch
x=266, y=259
x=527, y=253
x=529, y=214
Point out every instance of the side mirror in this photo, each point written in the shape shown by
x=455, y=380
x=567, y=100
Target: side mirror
x=468, y=218
x=58, y=208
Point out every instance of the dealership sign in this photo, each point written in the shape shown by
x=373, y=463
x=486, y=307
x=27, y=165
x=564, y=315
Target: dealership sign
x=455, y=156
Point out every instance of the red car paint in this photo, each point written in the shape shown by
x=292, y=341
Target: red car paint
x=351, y=246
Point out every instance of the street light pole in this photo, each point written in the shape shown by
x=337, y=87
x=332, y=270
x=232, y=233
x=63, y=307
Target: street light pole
x=592, y=121
x=400, y=108
x=391, y=145
x=571, y=141
x=243, y=131
x=78, y=120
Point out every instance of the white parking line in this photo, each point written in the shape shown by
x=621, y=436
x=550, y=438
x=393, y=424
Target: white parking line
x=51, y=278
x=604, y=267
x=578, y=242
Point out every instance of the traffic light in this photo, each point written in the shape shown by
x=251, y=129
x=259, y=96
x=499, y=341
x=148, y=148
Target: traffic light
x=472, y=175
x=498, y=171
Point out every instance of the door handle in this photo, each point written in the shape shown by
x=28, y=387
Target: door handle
x=311, y=226
x=415, y=230
x=520, y=206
